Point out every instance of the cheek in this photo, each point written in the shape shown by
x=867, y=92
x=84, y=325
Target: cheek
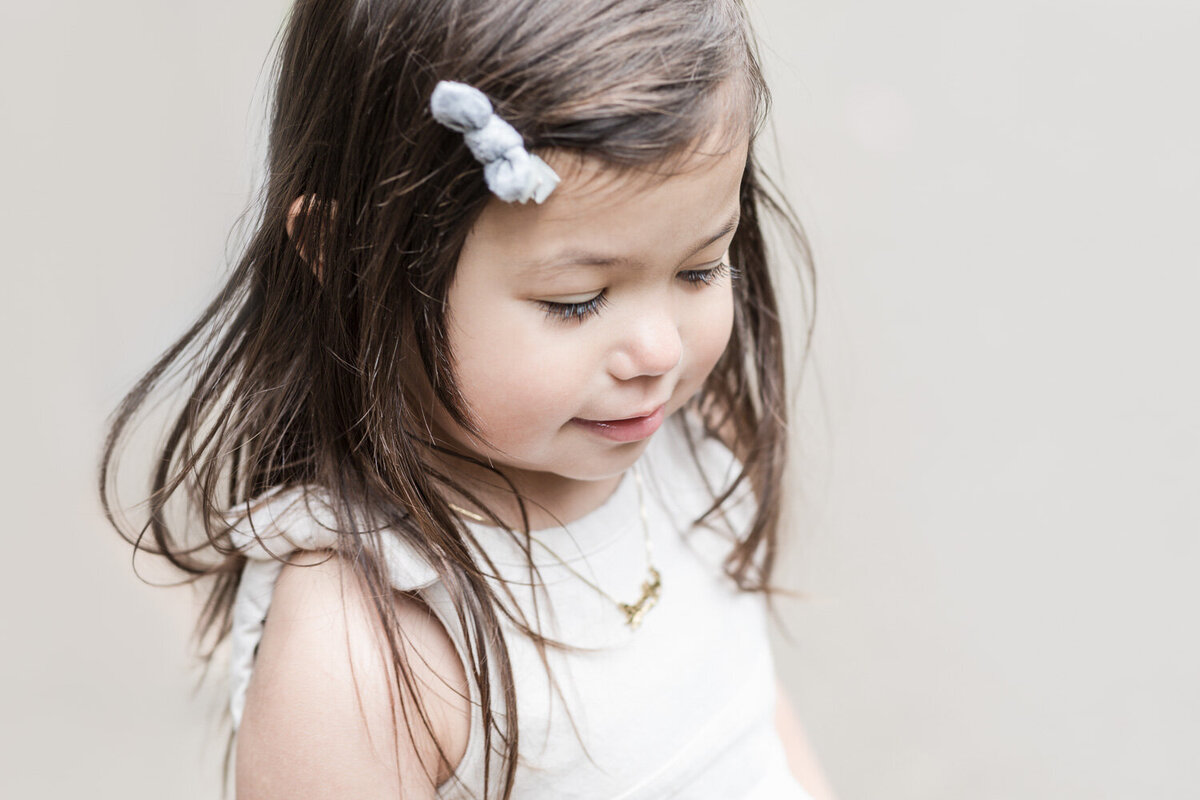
x=709, y=334
x=514, y=372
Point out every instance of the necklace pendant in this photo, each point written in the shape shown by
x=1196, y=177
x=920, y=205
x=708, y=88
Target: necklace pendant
x=650, y=591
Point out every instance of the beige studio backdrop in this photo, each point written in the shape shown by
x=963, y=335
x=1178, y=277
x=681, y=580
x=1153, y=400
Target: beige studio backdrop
x=999, y=451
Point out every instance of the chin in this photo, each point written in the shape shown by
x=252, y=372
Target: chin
x=609, y=465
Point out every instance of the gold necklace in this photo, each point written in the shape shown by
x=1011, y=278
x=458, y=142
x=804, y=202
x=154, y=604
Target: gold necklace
x=651, y=587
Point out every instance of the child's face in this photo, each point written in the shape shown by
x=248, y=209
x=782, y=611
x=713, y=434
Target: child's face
x=534, y=379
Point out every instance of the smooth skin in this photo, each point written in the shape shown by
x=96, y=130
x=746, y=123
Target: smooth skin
x=304, y=735
x=637, y=262
x=653, y=247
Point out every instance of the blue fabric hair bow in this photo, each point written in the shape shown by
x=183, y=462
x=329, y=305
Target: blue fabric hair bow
x=512, y=172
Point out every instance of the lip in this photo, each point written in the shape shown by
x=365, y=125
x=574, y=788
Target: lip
x=630, y=429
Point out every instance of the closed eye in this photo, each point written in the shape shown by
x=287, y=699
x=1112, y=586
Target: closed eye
x=707, y=277
x=576, y=312
x=579, y=311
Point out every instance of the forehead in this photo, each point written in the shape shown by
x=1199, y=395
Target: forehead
x=636, y=215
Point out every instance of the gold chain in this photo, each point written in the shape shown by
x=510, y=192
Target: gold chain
x=651, y=587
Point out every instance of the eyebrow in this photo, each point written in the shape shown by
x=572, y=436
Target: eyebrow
x=584, y=258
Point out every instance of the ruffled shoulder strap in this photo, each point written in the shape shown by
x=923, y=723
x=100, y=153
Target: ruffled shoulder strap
x=275, y=526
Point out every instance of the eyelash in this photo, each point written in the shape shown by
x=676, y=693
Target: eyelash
x=580, y=311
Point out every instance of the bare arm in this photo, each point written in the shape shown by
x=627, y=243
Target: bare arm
x=800, y=755
x=304, y=734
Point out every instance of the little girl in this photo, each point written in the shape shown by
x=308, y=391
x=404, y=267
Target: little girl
x=485, y=432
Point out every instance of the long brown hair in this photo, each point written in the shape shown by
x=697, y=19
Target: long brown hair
x=297, y=379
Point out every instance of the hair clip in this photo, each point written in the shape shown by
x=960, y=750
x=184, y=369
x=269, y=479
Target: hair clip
x=512, y=172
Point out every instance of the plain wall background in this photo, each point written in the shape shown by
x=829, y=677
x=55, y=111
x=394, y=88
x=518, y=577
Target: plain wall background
x=998, y=456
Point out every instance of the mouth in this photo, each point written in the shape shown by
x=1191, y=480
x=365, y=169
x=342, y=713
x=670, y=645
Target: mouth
x=627, y=429
x=631, y=418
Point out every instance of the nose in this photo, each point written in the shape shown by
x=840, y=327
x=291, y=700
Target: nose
x=650, y=345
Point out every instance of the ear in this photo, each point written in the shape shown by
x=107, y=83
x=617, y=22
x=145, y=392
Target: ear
x=312, y=230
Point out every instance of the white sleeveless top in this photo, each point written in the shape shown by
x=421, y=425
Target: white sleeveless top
x=681, y=707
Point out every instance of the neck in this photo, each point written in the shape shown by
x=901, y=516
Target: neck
x=550, y=500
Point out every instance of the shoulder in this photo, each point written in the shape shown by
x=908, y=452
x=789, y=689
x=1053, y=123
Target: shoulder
x=285, y=519
x=321, y=713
